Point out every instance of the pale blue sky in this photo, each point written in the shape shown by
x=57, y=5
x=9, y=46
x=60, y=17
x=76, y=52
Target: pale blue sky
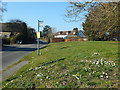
x=52, y=13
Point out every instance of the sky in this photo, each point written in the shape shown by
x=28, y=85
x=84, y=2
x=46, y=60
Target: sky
x=52, y=13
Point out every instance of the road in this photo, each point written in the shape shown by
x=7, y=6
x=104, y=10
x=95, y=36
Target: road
x=13, y=53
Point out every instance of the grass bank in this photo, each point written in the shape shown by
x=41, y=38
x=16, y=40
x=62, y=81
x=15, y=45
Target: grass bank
x=69, y=64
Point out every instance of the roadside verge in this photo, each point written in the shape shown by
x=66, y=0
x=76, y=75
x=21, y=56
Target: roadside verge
x=10, y=70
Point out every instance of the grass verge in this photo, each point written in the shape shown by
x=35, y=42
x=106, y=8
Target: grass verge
x=91, y=64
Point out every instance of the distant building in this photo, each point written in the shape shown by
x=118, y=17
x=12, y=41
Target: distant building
x=5, y=34
x=66, y=36
x=8, y=34
x=63, y=34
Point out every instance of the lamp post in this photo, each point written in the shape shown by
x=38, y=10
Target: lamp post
x=40, y=24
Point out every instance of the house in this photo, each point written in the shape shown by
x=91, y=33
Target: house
x=8, y=34
x=5, y=34
x=63, y=34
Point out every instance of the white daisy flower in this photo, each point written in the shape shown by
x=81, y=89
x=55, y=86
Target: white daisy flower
x=11, y=80
x=97, y=62
x=96, y=53
x=66, y=74
x=103, y=72
x=107, y=77
x=38, y=75
x=74, y=75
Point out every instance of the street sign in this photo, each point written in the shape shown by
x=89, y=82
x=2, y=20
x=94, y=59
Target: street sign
x=38, y=34
x=41, y=23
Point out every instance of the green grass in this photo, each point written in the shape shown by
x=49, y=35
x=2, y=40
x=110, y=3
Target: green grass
x=69, y=64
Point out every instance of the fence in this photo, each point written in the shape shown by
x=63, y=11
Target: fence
x=52, y=40
x=67, y=40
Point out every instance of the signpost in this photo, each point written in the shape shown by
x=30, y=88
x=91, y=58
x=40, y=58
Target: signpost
x=38, y=34
x=40, y=24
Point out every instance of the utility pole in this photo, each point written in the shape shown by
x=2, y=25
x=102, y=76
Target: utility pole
x=40, y=24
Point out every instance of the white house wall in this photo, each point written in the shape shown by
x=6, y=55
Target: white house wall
x=60, y=36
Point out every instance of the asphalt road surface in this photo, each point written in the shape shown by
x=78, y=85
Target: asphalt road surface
x=13, y=53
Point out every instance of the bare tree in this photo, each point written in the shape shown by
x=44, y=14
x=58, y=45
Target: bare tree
x=2, y=9
x=53, y=30
x=103, y=16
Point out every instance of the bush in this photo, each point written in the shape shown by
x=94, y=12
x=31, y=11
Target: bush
x=19, y=37
x=13, y=40
x=5, y=40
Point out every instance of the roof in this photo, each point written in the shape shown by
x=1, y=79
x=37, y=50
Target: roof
x=70, y=33
x=66, y=32
x=81, y=34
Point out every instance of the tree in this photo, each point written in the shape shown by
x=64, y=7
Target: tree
x=53, y=30
x=13, y=25
x=75, y=28
x=78, y=9
x=16, y=26
x=47, y=31
x=103, y=25
x=76, y=31
x=19, y=31
x=2, y=6
x=31, y=34
x=2, y=9
x=101, y=18
x=19, y=25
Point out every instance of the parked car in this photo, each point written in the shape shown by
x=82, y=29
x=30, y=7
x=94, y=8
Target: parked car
x=19, y=42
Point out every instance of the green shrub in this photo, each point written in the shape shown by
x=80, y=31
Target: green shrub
x=19, y=37
x=16, y=38
x=5, y=40
x=13, y=40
